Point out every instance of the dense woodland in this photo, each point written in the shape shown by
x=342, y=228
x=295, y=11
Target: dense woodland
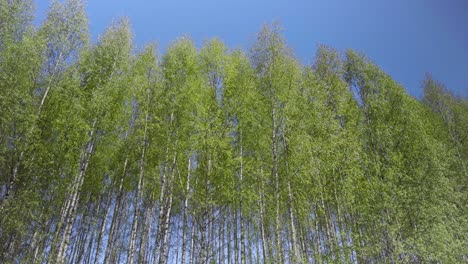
x=110, y=154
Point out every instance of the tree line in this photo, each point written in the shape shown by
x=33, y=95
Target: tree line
x=109, y=154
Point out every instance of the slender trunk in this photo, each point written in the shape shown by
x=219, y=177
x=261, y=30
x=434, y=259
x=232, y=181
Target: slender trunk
x=58, y=230
x=318, y=242
x=79, y=243
x=144, y=235
x=327, y=227
x=133, y=235
x=249, y=239
x=241, y=180
x=275, y=174
x=92, y=234
x=69, y=221
x=332, y=227
x=115, y=214
x=330, y=236
x=34, y=244
x=73, y=198
x=164, y=250
x=149, y=251
x=162, y=209
x=35, y=241
x=44, y=245
x=296, y=258
x=236, y=242
x=228, y=238
x=120, y=244
x=81, y=233
x=302, y=243
x=262, y=223
x=103, y=226
x=211, y=234
x=116, y=246
x=342, y=231
x=221, y=240
x=192, y=243
x=184, y=224
x=162, y=198
x=206, y=216
x=203, y=239
x=63, y=215
x=46, y=93
x=257, y=248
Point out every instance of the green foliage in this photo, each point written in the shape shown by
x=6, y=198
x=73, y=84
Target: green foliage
x=252, y=156
x=407, y=167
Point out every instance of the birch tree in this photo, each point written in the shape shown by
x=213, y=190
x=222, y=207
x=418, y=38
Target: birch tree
x=110, y=57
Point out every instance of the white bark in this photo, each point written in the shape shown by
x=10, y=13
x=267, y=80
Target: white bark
x=116, y=212
x=296, y=258
x=184, y=224
x=103, y=227
x=75, y=194
x=131, y=251
x=262, y=222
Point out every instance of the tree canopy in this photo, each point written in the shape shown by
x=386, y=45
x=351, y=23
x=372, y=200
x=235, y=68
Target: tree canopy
x=111, y=154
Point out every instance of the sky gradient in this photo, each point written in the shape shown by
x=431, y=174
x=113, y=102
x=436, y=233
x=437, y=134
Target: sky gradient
x=405, y=38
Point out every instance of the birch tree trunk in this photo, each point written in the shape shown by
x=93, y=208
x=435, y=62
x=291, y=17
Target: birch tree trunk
x=165, y=221
x=192, y=244
x=131, y=251
x=184, y=224
x=296, y=256
x=103, y=226
x=165, y=238
x=75, y=193
x=274, y=150
x=142, y=254
x=115, y=214
x=241, y=180
x=262, y=223
x=162, y=198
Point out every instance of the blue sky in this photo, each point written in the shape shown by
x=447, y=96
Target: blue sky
x=406, y=38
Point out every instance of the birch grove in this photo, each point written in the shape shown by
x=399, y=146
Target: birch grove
x=206, y=154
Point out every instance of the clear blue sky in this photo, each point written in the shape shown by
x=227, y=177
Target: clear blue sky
x=404, y=37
